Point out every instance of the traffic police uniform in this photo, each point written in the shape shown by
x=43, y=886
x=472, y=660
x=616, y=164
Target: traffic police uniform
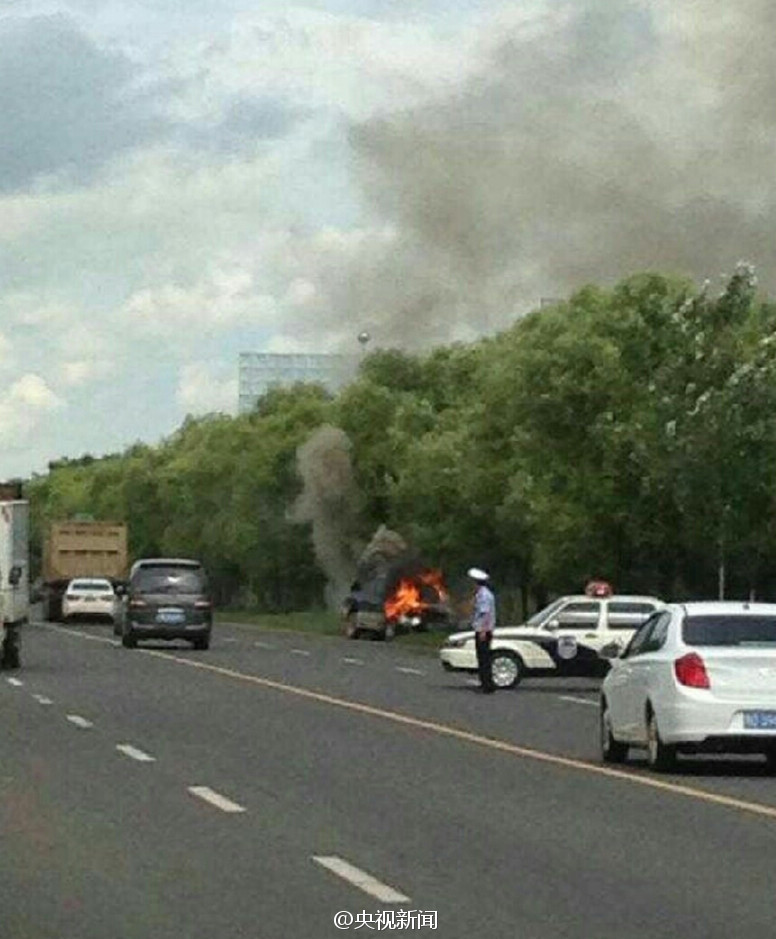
x=483, y=624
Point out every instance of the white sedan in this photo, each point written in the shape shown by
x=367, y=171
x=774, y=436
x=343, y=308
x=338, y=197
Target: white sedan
x=89, y=597
x=696, y=677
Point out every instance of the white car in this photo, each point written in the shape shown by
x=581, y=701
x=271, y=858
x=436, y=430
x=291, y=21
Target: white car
x=89, y=597
x=564, y=638
x=697, y=677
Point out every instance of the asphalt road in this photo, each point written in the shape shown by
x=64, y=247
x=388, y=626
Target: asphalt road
x=261, y=787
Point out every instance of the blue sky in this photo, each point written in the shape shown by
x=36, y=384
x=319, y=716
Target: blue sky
x=179, y=183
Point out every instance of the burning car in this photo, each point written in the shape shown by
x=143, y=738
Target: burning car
x=396, y=602
x=393, y=592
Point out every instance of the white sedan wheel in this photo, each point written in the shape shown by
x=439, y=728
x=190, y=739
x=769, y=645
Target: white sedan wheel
x=660, y=756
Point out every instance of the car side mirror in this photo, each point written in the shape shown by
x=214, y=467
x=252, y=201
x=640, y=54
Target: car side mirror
x=553, y=625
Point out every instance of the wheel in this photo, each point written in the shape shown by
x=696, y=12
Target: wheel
x=202, y=642
x=660, y=756
x=506, y=668
x=350, y=629
x=128, y=640
x=612, y=751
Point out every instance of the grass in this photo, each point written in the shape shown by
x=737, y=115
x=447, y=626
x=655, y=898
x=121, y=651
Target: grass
x=321, y=623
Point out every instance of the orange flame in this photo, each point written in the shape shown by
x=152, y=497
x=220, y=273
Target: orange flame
x=407, y=599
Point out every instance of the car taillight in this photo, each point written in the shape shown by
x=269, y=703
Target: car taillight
x=691, y=671
x=137, y=603
x=202, y=604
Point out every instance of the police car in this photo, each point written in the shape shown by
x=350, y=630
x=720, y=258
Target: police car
x=564, y=638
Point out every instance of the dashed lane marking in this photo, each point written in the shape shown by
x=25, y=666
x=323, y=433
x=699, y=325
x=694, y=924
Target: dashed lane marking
x=134, y=754
x=362, y=880
x=79, y=721
x=219, y=801
x=16, y=682
x=301, y=652
x=348, y=661
x=448, y=730
x=264, y=645
x=405, y=670
x=42, y=699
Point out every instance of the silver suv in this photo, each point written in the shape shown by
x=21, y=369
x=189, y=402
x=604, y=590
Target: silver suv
x=167, y=598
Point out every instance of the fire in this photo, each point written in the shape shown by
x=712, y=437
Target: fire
x=410, y=597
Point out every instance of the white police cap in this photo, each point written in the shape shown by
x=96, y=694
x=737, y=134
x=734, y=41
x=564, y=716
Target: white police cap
x=477, y=574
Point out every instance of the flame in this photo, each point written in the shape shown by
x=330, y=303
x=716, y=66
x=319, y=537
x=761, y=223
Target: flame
x=407, y=598
x=434, y=579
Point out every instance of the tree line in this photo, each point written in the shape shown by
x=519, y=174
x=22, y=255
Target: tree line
x=627, y=433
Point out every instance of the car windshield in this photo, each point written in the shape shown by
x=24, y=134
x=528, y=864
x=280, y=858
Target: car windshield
x=729, y=630
x=169, y=580
x=97, y=585
x=545, y=613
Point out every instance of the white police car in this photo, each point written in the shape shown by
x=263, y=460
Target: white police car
x=564, y=638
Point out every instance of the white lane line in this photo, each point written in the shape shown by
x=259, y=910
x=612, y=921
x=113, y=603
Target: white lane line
x=362, y=880
x=219, y=801
x=586, y=701
x=79, y=721
x=16, y=682
x=134, y=754
x=42, y=699
x=409, y=671
x=353, y=661
x=264, y=645
x=300, y=652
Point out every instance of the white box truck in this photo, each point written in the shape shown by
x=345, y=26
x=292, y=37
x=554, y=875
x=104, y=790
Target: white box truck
x=14, y=577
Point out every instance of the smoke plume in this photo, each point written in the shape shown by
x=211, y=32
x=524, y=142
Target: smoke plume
x=329, y=501
x=596, y=139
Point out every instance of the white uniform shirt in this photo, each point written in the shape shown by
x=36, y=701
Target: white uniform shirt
x=484, y=618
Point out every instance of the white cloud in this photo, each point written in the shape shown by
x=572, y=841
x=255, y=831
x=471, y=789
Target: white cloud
x=203, y=389
x=225, y=299
x=344, y=63
x=27, y=399
x=81, y=371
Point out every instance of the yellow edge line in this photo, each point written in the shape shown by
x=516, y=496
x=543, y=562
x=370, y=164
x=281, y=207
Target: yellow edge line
x=756, y=808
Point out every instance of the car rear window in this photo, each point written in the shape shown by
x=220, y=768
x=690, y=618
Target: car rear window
x=96, y=585
x=170, y=579
x=729, y=630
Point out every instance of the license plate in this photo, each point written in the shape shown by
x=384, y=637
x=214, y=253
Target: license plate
x=170, y=617
x=760, y=720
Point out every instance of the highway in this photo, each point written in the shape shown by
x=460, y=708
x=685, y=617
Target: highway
x=264, y=786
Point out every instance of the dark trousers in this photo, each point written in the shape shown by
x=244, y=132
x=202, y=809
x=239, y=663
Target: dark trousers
x=482, y=644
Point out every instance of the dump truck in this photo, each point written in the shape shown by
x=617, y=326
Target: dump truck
x=14, y=574
x=81, y=548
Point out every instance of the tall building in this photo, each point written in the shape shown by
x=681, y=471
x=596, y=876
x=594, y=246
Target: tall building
x=260, y=371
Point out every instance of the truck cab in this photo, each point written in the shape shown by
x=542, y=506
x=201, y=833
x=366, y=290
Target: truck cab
x=14, y=578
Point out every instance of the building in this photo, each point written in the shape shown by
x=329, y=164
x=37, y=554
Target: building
x=260, y=371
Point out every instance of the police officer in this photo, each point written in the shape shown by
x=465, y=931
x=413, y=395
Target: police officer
x=483, y=624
